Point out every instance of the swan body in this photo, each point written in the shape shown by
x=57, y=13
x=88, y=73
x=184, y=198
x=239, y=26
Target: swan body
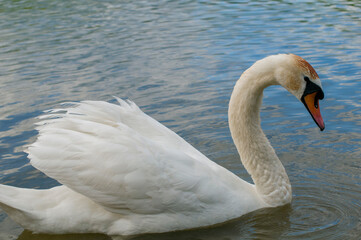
x=124, y=173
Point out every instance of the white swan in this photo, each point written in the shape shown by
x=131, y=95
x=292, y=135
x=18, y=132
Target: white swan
x=124, y=173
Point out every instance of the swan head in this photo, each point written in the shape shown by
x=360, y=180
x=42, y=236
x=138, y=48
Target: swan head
x=300, y=78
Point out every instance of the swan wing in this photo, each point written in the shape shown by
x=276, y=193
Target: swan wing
x=124, y=160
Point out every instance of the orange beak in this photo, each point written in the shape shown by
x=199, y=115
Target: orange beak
x=311, y=103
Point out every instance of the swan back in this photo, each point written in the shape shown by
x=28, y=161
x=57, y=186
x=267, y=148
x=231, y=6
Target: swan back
x=131, y=165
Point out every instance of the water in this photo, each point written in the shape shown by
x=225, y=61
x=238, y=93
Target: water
x=179, y=60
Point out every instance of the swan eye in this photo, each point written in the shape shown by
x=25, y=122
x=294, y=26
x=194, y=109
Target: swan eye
x=306, y=79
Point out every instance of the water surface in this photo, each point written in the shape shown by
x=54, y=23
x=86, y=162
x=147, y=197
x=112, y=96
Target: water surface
x=179, y=60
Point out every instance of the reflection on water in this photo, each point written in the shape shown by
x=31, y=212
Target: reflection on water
x=31, y=236
x=179, y=60
x=262, y=224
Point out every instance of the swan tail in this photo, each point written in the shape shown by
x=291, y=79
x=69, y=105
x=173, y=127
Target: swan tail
x=20, y=204
x=55, y=210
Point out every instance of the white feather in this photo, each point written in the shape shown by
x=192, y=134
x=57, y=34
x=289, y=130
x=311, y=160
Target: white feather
x=131, y=165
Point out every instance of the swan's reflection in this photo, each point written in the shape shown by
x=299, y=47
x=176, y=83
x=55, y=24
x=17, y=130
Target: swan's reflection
x=270, y=223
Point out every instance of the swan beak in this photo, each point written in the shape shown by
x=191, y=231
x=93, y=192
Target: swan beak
x=311, y=103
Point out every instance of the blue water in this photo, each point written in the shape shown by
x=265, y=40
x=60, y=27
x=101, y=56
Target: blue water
x=179, y=60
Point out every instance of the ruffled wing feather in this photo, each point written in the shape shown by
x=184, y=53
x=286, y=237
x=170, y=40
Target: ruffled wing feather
x=123, y=159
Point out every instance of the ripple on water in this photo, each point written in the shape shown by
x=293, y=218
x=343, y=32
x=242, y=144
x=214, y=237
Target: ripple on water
x=323, y=210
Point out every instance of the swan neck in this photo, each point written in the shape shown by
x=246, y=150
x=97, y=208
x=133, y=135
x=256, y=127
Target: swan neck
x=257, y=154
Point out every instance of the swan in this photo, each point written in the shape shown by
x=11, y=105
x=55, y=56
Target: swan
x=124, y=173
